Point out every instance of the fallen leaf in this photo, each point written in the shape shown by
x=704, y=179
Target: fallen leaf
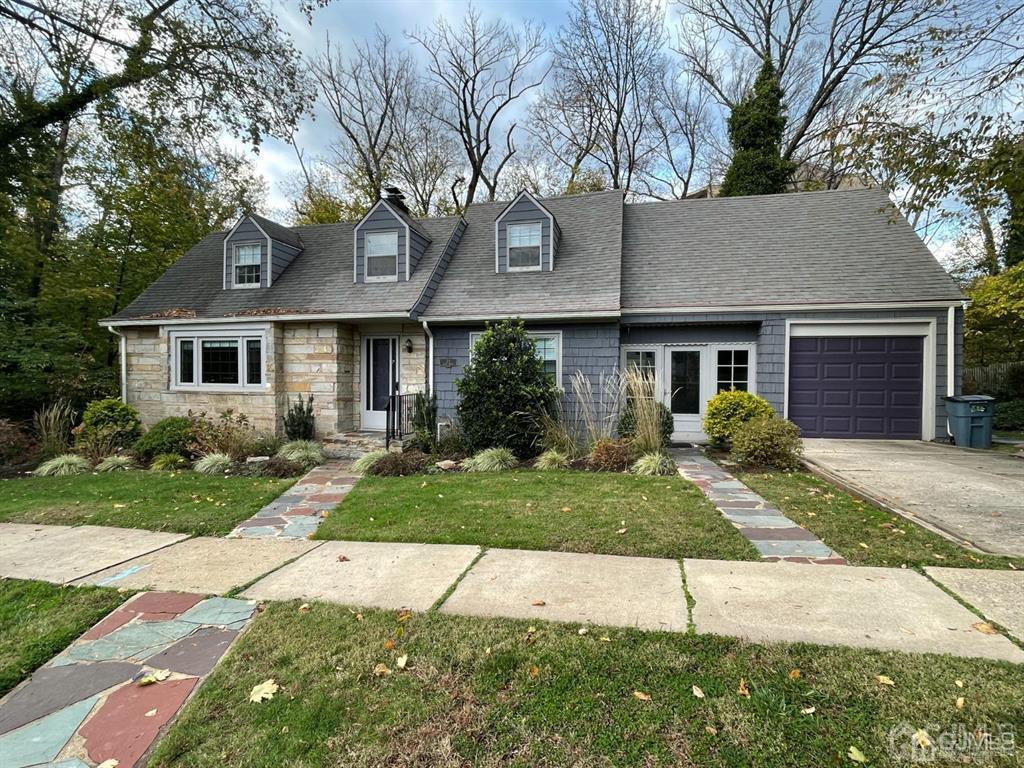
x=743, y=690
x=711, y=729
x=359, y=617
x=538, y=603
x=120, y=506
x=263, y=691
x=698, y=692
x=534, y=671
x=883, y=680
x=582, y=631
x=641, y=696
x=856, y=755
x=959, y=683
x=389, y=645
x=621, y=531
x=921, y=738
x=151, y=713
x=604, y=639
x=381, y=670
x=342, y=559
x=794, y=674
x=808, y=711
x=862, y=544
x=959, y=702
x=401, y=661
x=304, y=608
x=487, y=651
x=985, y=628
x=567, y=509
x=112, y=762
x=156, y=676
x=404, y=615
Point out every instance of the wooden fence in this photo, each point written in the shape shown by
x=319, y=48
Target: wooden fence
x=987, y=379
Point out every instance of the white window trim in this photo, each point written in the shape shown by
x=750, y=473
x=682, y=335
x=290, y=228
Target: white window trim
x=234, y=265
x=539, y=225
x=917, y=326
x=213, y=333
x=355, y=241
x=709, y=366
x=270, y=256
x=366, y=257
x=551, y=220
x=474, y=336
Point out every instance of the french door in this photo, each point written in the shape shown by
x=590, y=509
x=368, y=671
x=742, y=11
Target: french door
x=380, y=379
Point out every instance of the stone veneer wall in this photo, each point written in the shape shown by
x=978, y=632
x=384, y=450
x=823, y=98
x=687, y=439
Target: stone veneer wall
x=318, y=360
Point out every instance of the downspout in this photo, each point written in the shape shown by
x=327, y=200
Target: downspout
x=122, y=347
x=950, y=358
x=430, y=357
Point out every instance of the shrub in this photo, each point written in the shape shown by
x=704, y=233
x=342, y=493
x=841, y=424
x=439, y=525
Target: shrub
x=16, y=445
x=656, y=463
x=119, y=463
x=450, y=444
x=424, y=420
x=98, y=444
x=490, y=460
x=298, y=422
x=63, y=466
x=275, y=466
x=645, y=418
x=170, y=435
x=1008, y=415
x=767, y=441
x=213, y=464
x=727, y=410
x=362, y=465
x=231, y=433
x=399, y=464
x=53, y=428
x=168, y=462
x=264, y=444
x=551, y=459
x=305, y=452
x=610, y=455
x=108, y=423
x=504, y=390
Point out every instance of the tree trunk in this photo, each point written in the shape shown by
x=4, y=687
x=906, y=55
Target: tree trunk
x=990, y=262
x=47, y=221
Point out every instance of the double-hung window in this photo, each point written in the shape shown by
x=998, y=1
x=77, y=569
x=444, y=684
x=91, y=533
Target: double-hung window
x=524, y=246
x=247, y=265
x=217, y=361
x=381, y=256
x=548, y=346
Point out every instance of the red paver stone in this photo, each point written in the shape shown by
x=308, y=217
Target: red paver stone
x=116, y=619
x=172, y=603
x=303, y=511
x=326, y=497
x=121, y=730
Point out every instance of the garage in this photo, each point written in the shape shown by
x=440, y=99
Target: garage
x=868, y=386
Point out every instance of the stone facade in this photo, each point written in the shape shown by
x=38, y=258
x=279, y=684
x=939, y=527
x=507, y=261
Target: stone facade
x=412, y=366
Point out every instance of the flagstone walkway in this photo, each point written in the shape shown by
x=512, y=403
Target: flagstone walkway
x=298, y=512
x=766, y=527
x=109, y=695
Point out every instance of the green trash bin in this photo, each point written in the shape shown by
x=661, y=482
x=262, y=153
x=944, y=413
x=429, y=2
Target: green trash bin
x=970, y=420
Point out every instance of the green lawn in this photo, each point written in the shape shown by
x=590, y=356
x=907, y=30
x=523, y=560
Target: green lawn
x=567, y=511
x=182, y=502
x=38, y=620
x=480, y=692
x=859, y=531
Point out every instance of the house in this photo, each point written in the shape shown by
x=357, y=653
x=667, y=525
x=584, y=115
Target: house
x=826, y=303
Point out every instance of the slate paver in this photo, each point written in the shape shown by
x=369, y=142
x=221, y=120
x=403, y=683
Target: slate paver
x=42, y=740
x=998, y=595
x=646, y=593
x=132, y=641
x=775, y=536
x=218, y=611
x=196, y=654
x=121, y=729
x=72, y=553
x=888, y=608
x=203, y=565
x=53, y=688
x=381, y=575
x=298, y=512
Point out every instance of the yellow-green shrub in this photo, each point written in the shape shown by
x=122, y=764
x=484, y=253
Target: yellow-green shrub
x=728, y=410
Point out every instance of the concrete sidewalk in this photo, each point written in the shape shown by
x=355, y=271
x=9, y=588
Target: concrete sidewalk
x=760, y=601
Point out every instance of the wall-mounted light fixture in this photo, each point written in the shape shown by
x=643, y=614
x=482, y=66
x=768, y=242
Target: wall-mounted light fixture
x=408, y=346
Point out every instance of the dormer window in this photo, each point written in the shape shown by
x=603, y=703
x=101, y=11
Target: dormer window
x=524, y=246
x=247, y=265
x=381, y=257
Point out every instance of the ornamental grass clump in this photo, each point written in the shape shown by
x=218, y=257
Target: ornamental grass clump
x=644, y=419
x=53, y=428
x=654, y=464
x=491, y=460
x=610, y=455
x=364, y=463
x=551, y=459
x=119, y=463
x=64, y=465
x=308, y=453
x=213, y=464
x=168, y=462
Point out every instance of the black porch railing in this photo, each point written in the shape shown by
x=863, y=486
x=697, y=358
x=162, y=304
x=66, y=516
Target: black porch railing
x=399, y=422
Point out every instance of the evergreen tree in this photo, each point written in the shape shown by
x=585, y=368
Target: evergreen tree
x=755, y=133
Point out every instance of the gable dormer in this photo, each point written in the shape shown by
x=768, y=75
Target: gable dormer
x=257, y=251
x=526, y=236
x=387, y=243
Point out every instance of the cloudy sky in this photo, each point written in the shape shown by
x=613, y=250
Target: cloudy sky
x=345, y=20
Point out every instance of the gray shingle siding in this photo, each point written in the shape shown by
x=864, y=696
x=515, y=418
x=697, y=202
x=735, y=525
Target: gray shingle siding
x=282, y=255
x=525, y=211
x=381, y=220
x=246, y=232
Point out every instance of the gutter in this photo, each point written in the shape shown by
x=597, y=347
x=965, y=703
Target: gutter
x=122, y=347
x=430, y=357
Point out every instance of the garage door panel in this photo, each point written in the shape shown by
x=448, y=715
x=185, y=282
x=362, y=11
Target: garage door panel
x=868, y=386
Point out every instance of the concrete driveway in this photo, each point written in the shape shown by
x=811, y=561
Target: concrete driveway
x=974, y=496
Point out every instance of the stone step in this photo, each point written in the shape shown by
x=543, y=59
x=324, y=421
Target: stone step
x=352, y=445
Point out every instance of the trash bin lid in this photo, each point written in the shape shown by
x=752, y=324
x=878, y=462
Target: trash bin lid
x=968, y=398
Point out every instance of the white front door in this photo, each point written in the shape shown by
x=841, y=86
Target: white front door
x=380, y=378
x=687, y=393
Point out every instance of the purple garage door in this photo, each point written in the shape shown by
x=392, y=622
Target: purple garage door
x=856, y=386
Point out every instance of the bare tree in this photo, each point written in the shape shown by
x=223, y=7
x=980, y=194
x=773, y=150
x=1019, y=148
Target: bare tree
x=426, y=155
x=686, y=152
x=608, y=62
x=479, y=71
x=366, y=92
